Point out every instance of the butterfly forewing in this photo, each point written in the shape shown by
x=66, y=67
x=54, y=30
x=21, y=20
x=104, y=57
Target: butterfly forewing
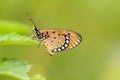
x=75, y=39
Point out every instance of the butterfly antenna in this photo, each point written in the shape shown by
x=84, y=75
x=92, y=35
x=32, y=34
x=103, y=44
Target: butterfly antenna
x=31, y=20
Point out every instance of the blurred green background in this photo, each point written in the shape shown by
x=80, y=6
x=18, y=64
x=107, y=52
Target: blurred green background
x=98, y=21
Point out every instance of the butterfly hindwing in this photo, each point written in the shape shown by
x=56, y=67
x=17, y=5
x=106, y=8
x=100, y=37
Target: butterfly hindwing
x=59, y=40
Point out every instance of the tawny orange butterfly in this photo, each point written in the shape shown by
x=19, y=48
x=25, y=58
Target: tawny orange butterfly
x=57, y=40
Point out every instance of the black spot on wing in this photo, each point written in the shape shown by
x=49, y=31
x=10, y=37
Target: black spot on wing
x=68, y=33
x=54, y=37
x=53, y=31
x=47, y=32
x=52, y=41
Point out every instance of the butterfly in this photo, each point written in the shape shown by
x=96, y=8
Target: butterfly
x=57, y=40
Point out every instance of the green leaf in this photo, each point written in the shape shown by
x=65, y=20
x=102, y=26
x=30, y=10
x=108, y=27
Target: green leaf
x=13, y=69
x=9, y=26
x=16, y=39
x=37, y=77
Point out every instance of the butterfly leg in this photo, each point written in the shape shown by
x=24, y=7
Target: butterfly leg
x=33, y=37
x=51, y=53
x=39, y=45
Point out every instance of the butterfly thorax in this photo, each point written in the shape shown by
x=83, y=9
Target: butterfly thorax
x=39, y=34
